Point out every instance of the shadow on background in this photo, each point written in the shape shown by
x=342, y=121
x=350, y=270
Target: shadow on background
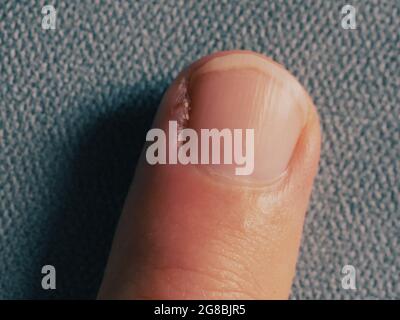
x=98, y=180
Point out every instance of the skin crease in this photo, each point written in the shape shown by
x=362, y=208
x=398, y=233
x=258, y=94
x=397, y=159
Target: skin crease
x=187, y=234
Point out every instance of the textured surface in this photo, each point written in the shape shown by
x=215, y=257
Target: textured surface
x=75, y=104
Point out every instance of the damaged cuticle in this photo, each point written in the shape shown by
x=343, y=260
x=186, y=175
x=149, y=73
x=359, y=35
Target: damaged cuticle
x=180, y=111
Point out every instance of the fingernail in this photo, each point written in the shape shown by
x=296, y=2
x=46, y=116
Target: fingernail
x=246, y=91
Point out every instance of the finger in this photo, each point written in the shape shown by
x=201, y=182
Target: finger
x=211, y=231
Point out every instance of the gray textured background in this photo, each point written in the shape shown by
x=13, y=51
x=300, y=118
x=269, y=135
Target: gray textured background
x=75, y=104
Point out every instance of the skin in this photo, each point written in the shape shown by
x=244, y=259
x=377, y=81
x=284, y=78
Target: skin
x=186, y=233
